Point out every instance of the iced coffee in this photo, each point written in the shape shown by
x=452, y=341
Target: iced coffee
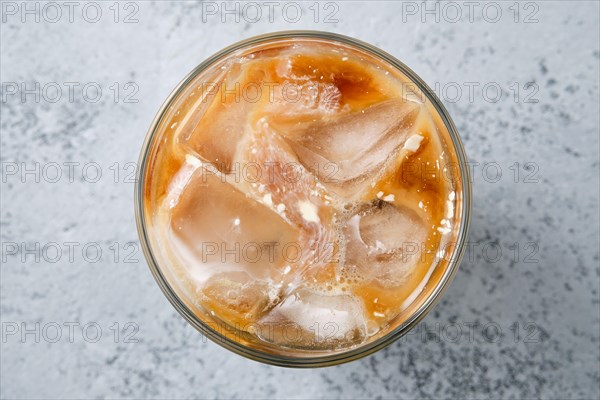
x=302, y=195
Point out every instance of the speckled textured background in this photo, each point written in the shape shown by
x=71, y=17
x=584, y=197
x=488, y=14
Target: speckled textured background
x=541, y=293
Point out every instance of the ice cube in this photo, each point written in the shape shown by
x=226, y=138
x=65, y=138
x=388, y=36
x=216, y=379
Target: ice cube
x=284, y=185
x=228, y=102
x=339, y=80
x=311, y=320
x=384, y=242
x=237, y=298
x=346, y=150
x=218, y=228
x=217, y=133
x=304, y=99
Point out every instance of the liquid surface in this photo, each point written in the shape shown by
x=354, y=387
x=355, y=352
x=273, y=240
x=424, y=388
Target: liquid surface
x=300, y=193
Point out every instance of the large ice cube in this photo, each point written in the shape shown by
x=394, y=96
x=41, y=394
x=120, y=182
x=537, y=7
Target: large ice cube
x=346, y=150
x=384, y=242
x=222, y=228
x=229, y=102
x=310, y=320
x=284, y=185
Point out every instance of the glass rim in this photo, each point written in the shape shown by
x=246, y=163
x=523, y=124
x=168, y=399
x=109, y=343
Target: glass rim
x=361, y=350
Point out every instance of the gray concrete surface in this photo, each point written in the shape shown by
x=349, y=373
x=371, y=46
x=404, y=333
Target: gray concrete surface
x=541, y=293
